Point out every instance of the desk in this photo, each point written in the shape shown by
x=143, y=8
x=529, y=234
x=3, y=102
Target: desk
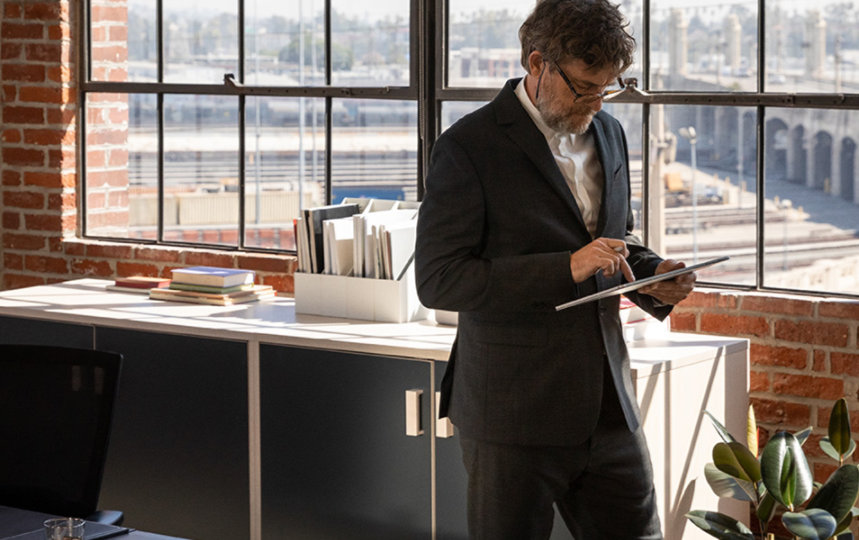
x=15, y=521
x=258, y=422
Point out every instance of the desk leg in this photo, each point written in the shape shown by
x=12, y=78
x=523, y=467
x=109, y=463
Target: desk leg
x=254, y=438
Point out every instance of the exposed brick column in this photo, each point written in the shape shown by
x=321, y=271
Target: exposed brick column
x=38, y=151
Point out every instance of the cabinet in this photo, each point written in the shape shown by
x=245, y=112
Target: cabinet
x=177, y=461
x=35, y=332
x=336, y=460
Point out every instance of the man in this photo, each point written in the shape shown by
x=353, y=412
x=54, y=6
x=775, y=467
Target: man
x=527, y=206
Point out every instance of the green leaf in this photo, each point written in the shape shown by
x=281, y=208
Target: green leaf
x=803, y=435
x=725, y=485
x=838, y=495
x=785, y=470
x=720, y=525
x=843, y=525
x=720, y=429
x=766, y=509
x=839, y=428
x=812, y=524
x=735, y=459
x=831, y=451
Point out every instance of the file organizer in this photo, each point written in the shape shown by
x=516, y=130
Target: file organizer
x=382, y=300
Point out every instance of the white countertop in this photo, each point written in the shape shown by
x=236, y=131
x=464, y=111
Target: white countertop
x=85, y=301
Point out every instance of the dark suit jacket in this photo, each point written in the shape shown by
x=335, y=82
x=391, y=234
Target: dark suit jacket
x=496, y=229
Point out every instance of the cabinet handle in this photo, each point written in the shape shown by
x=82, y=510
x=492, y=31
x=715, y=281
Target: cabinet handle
x=413, y=412
x=443, y=426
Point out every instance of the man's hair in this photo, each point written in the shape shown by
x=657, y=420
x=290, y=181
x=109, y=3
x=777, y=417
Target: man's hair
x=593, y=31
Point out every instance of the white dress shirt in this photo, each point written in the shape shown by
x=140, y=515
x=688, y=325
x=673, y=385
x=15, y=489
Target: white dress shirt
x=576, y=156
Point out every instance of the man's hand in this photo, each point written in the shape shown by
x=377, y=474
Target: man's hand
x=671, y=291
x=606, y=254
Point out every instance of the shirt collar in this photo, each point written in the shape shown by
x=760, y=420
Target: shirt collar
x=532, y=111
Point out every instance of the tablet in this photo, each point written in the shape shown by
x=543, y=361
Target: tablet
x=638, y=283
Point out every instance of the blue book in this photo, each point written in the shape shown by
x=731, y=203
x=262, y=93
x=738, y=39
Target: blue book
x=212, y=276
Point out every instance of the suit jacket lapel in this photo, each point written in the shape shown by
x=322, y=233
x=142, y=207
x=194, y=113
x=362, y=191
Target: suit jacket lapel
x=521, y=129
x=608, y=206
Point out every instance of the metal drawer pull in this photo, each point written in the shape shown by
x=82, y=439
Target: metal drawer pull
x=413, y=413
x=443, y=426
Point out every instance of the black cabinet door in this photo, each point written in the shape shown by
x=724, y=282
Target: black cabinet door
x=178, y=457
x=19, y=331
x=336, y=461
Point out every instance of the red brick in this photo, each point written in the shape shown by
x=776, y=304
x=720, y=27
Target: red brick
x=759, y=381
x=23, y=199
x=112, y=251
x=211, y=236
x=824, y=470
x=44, y=52
x=24, y=242
x=11, y=11
x=43, y=94
x=23, y=157
x=207, y=258
x=157, y=254
x=777, y=305
x=127, y=268
x=812, y=332
x=51, y=179
x=841, y=309
x=270, y=263
x=11, y=178
x=56, y=244
x=11, y=50
x=23, y=72
x=766, y=355
x=734, y=324
x=13, y=261
x=74, y=247
x=710, y=300
x=63, y=115
x=58, y=74
x=22, y=31
x=280, y=282
x=823, y=414
x=47, y=137
x=230, y=237
x=104, y=13
x=788, y=384
x=23, y=115
x=781, y=413
x=90, y=267
x=819, y=361
x=18, y=281
x=42, y=222
x=45, y=11
x=846, y=363
x=190, y=235
x=11, y=220
x=11, y=136
x=39, y=263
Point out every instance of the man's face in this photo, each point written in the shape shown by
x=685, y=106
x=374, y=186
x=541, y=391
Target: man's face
x=558, y=104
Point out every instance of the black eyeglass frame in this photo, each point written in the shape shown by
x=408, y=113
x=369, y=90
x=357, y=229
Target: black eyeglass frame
x=577, y=95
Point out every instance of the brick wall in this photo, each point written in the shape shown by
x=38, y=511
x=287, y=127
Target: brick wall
x=38, y=196
x=804, y=356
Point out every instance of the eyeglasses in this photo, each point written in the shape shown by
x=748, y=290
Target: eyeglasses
x=589, y=97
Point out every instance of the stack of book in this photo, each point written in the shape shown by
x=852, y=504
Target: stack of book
x=213, y=285
x=138, y=284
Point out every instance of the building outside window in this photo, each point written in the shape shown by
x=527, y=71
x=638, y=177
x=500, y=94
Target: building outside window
x=213, y=123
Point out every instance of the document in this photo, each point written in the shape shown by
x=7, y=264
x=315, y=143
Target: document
x=638, y=283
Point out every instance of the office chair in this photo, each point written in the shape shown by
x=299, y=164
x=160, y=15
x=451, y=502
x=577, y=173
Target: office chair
x=55, y=422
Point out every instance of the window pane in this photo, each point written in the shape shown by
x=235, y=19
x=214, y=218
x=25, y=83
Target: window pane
x=703, y=48
x=811, y=47
x=111, y=193
x=629, y=116
x=704, y=161
x=284, y=166
x=370, y=43
x=374, y=149
x=200, y=40
x=812, y=206
x=483, y=42
x=123, y=44
x=451, y=111
x=284, y=43
x=201, y=169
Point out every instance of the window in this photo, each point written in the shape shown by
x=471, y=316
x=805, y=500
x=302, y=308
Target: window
x=742, y=140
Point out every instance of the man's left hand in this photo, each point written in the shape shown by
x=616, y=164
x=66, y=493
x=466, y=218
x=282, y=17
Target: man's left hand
x=671, y=291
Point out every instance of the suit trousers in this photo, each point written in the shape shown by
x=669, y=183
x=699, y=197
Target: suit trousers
x=603, y=487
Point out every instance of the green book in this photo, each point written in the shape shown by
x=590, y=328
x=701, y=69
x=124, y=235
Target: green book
x=209, y=289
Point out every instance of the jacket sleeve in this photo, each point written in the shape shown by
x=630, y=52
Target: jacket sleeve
x=451, y=271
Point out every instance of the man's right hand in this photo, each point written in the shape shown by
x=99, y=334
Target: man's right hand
x=606, y=254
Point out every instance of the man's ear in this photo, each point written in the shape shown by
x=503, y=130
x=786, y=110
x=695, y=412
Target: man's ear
x=535, y=63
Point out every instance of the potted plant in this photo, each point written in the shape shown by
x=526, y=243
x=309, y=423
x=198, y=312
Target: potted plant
x=780, y=479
